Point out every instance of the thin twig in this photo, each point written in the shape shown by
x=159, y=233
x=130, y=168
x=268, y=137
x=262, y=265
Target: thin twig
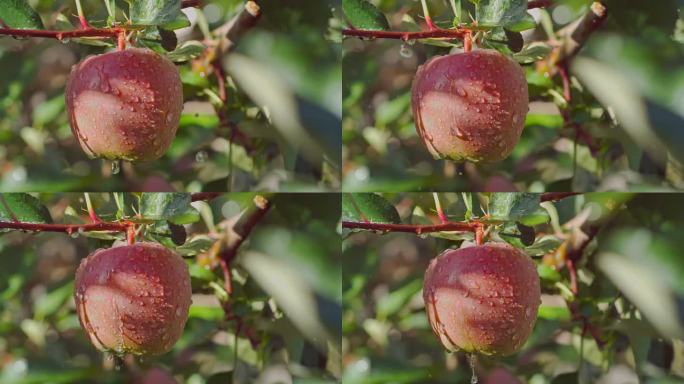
x=66, y=34
x=68, y=228
x=457, y=33
x=571, y=259
x=410, y=228
x=580, y=133
x=242, y=229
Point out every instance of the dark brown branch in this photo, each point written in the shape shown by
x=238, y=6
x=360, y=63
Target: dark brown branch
x=190, y=3
x=245, y=225
x=575, y=35
x=201, y=196
x=409, y=228
x=234, y=29
x=555, y=196
x=539, y=4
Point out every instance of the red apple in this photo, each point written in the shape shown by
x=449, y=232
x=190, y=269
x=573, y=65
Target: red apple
x=133, y=299
x=125, y=104
x=470, y=106
x=482, y=299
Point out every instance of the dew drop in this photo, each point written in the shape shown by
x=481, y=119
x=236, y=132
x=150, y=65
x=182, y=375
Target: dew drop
x=201, y=157
x=405, y=51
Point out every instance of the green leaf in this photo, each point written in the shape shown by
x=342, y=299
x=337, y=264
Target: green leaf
x=532, y=52
x=156, y=12
x=494, y=13
x=24, y=208
x=395, y=301
x=19, y=14
x=554, y=313
x=368, y=206
x=364, y=15
x=50, y=303
x=513, y=206
x=298, y=301
x=646, y=265
x=174, y=207
x=527, y=22
x=547, y=273
x=186, y=51
x=543, y=245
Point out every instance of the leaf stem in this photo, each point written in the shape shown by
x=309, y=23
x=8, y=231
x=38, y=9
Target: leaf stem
x=81, y=16
x=428, y=19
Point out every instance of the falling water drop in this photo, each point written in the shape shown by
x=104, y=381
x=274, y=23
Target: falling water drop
x=116, y=167
x=118, y=362
x=471, y=362
x=405, y=51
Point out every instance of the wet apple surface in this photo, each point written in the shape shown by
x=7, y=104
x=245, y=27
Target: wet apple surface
x=470, y=106
x=133, y=299
x=482, y=299
x=125, y=105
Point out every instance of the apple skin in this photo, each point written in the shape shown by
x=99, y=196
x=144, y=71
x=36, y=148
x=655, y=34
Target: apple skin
x=470, y=106
x=125, y=105
x=482, y=299
x=133, y=299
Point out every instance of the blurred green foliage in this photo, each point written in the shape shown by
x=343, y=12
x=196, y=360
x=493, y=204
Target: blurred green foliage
x=293, y=136
x=286, y=291
x=626, y=95
x=630, y=274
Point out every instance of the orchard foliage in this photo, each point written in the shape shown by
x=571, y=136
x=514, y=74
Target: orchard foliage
x=261, y=96
x=603, y=77
x=610, y=269
x=265, y=292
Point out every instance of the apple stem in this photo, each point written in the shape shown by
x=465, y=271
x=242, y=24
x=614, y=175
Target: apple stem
x=121, y=41
x=468, y=41
x=130, y=234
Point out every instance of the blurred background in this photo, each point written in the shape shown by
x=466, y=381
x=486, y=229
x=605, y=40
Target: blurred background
x=283, y=96
x=631, y=291
x=627, y=87
x=286, y=291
